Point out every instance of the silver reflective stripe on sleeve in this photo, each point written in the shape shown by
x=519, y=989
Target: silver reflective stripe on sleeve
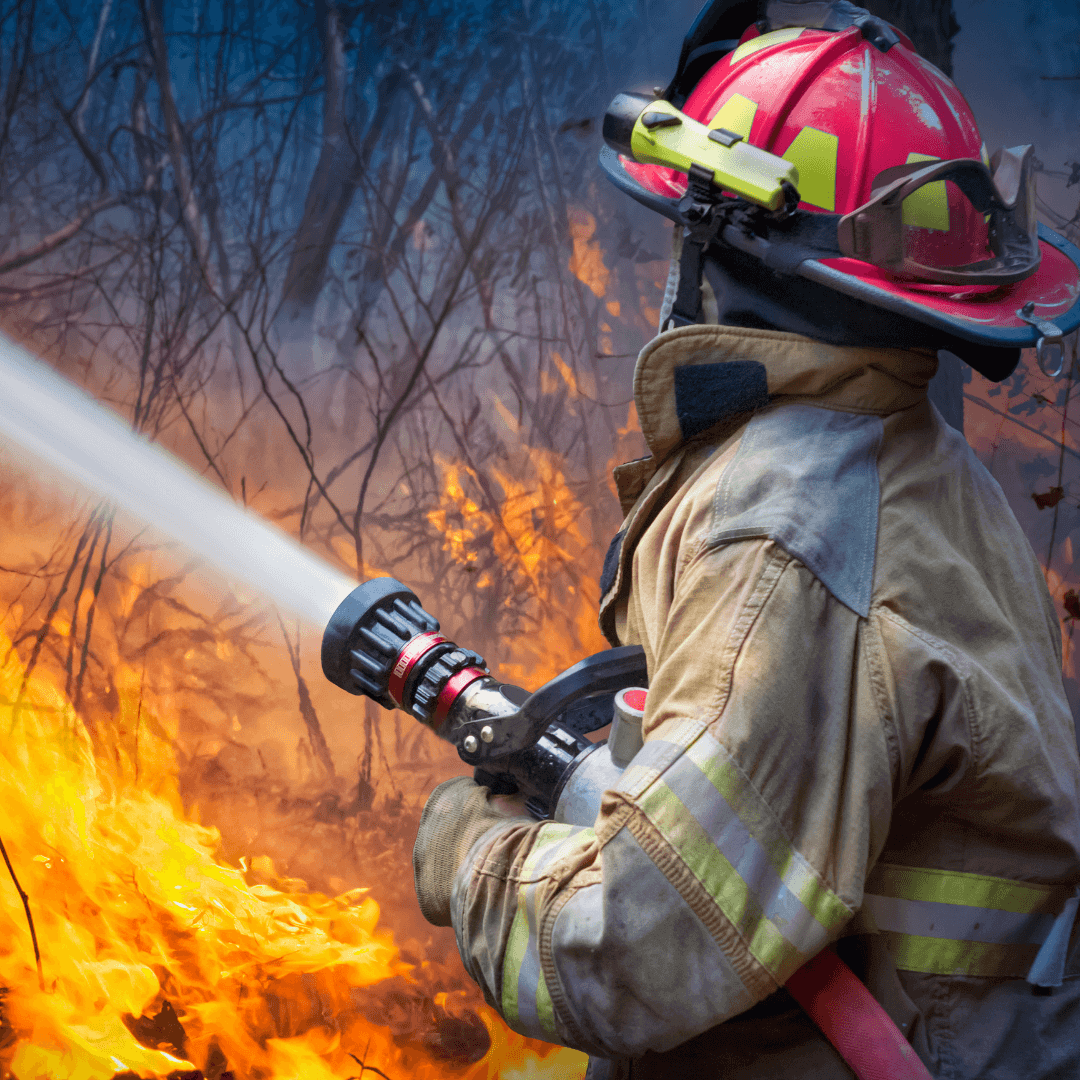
x=730, y=840
x=657, y=754
x=638, y=969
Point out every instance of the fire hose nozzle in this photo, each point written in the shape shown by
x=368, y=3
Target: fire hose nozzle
x=380, y=642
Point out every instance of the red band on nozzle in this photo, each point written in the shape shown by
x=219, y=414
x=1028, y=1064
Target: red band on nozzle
x=452, y=690
x=406, y=661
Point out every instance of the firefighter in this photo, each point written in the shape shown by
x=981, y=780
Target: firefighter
x=856, y=732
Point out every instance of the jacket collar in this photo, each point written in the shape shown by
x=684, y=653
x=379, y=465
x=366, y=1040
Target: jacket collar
x=689, y=379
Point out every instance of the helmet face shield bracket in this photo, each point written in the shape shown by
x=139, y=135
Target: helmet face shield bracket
x=1050, y=348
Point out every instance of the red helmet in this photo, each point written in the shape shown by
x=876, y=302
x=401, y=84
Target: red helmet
x=855, y=108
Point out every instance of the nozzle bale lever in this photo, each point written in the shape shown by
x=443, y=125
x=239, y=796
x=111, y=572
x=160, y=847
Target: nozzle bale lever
x=380, y=642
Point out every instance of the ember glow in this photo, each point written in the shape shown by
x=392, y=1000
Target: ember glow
x=156, y=956
x=587, y=260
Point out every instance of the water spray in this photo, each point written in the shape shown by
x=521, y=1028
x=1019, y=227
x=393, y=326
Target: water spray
x=379, y=641
x=65, y=427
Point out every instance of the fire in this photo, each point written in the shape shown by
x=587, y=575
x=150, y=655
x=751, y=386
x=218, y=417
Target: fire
x=156, y=956
x=1013, y=452
x=543, y=548
x=587, y=260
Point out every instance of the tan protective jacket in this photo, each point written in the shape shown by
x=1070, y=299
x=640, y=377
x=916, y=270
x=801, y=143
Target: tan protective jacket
x=854, y=670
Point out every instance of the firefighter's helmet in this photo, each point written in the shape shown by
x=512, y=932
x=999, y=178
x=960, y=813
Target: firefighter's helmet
x=901, y=210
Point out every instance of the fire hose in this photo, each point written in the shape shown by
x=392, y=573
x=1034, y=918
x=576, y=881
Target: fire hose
x=381, y=643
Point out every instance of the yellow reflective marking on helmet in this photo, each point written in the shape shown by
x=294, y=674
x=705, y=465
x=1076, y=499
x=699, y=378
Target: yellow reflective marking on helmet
x=736, y=115
x=927, y=208
x=814, y=154
x=765, y=41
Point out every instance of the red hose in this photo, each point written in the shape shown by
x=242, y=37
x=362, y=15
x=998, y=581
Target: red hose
x=852, y=1020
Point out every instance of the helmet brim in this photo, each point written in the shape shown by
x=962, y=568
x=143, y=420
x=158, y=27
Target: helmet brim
x=985, y=317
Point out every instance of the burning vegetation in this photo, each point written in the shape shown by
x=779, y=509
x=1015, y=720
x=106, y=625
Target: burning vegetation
x=387, y=306
x=132, y=947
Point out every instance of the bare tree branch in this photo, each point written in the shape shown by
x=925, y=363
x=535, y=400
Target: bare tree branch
x=178, y=151
x=79, y=112
x=60, y=237
x=332, y=186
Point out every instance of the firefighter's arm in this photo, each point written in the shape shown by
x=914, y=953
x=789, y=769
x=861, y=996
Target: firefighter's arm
x=734, y=848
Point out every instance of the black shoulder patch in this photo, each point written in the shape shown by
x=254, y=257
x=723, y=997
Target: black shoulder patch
x=707, y=393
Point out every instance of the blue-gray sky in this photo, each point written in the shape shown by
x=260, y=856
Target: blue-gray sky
x=1003, y=51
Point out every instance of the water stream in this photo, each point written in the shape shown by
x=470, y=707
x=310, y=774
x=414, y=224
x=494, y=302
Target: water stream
x=57, y=422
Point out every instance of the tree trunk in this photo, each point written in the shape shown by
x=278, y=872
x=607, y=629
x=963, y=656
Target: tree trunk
x=153, y=15
x=329, y=194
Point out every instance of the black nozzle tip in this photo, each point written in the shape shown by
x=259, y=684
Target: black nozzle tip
x=340, y=635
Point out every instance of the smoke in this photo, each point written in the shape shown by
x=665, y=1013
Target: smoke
x=1018, y=64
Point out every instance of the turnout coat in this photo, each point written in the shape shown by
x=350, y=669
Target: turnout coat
x=856, y=733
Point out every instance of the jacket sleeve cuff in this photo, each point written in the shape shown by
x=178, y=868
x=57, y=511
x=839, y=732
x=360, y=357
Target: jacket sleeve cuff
x=457, y=814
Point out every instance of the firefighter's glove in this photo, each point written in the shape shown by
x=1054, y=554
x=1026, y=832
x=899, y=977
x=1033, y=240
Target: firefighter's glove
x=457, y=814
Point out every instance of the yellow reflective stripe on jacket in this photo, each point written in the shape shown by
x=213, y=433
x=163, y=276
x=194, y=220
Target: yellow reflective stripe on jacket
x=971, y=890
x=941, y=956
x=942, y=922
x=730, y=840
x=526, y=1000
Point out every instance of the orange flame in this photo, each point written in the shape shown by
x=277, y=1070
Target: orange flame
x=587, y=261
x=136, y=915
x=542, y=544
